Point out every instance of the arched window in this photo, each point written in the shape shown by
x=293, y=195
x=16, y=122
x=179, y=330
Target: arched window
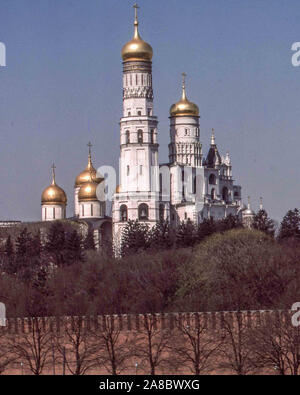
x=140, y=136
x=123, y=213
x=143, y=212
x=212, y=179
x=152, y=136
x=139, y=113
x=213, y=194
x=225, y=194
x=127, y=137
x=161, y=212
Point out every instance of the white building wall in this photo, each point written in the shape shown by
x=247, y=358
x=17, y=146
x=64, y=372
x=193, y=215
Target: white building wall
x=94, y=209
x=53, y=212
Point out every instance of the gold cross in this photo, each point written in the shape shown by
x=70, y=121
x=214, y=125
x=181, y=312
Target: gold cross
x=53, y=167
x=90, y=146
x=183, y=78
x=136, y=7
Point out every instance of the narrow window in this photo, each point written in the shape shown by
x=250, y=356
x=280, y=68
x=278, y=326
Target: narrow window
x=92, y=210
x=152, y=136
x=127, y=137
x=139, y=113
x=143, y=212
x=140, y=136
x=123, y=213
x=141, y=169
x=128, y=170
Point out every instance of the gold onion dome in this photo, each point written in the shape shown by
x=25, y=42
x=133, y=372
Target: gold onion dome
x=88, y=191
x=118, y=189
x=89, y=172
x=184, y=107
x=53, y=194
x=137, y=49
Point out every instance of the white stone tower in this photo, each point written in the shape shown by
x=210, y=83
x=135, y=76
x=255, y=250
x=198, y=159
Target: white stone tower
x=185, y=147
x=137, y=195
x=54, y=201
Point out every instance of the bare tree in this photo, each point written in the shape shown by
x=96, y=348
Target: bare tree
x=76, y=346
x=152, y=345
x=193, y=345
x=236, y=353
x=113, y=346
x=33, y=346
x=6, y=354
x=276, y=344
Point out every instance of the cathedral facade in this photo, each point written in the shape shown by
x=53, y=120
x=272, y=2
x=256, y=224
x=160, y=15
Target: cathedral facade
x=190, y=186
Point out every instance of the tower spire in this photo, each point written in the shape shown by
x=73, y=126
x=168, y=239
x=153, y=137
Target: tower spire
x=53, y=167
x=249, y=206
x=136, y=22
x=213, y=141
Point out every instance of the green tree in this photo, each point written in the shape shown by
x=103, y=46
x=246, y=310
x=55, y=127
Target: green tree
x=263, y=223
x=161, y=236
x=206, y=228
x=9, y=248
x=186, y=234
x=237, y=270
x=89, y=241
x=56, y=243
x=135, y=238
x=229, y=223
x=290, y=225
x=74, y=251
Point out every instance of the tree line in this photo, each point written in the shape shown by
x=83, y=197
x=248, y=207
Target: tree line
x=267, y=344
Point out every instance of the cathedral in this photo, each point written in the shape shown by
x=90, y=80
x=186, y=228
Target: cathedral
x=190, y=186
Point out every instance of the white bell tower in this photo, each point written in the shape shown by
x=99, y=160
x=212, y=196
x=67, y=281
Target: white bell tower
x=137, y=197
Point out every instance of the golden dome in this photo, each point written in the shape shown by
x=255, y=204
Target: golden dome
x=118, y=189
x=53, y=194
x=88, y=191
x=184, y=107
x=89, y=172
x=137, y=49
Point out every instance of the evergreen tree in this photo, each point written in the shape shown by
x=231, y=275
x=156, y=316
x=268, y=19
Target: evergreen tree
x=161, y=236
x=135, y=238
x=263, y=223
x=73, y=253
x=229, y=223
x=89, y=241
x=55, y=245
x=186, y=234
x=23, y=250
x=8, y=262
x=9, y=247
x=206, y=228
x=290, y=225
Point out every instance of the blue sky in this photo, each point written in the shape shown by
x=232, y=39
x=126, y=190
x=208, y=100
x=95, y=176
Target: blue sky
x=62, y=88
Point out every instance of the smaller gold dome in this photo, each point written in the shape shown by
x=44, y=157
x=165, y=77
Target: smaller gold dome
x=184, y=107
x=137, y=49
x=88, y=191
x=89, y=172
x=53, y=194
x=118, y=189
